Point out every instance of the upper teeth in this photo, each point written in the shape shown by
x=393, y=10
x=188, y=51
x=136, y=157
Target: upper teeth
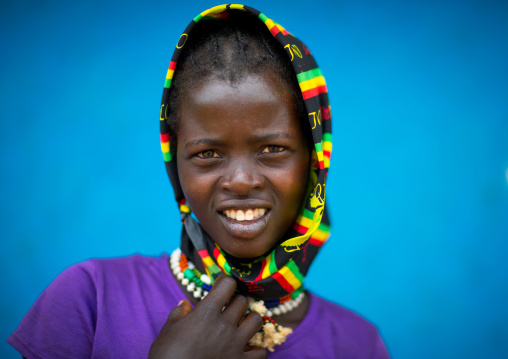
x=247, y=215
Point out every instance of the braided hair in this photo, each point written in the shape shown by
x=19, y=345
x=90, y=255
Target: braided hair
x=230, y=50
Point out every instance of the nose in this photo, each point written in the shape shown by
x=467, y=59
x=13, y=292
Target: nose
x=241, y=177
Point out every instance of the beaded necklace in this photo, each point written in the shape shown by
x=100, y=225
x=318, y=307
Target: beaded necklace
x=199, y=285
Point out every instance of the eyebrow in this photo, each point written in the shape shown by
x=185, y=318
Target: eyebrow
x=270, y=136
x=205, y=141
x=214, y=142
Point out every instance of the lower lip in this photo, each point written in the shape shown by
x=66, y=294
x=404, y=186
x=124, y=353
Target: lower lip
x=245, y=229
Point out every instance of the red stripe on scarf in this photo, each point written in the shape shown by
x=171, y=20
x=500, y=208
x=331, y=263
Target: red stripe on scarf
x=203, y=253
x=315, y=242
x=314, y=92
x=299, y=228
x=283, y=282
x=274, y=30
x=260, y=275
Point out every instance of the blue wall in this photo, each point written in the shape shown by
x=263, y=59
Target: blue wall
x=419, y=201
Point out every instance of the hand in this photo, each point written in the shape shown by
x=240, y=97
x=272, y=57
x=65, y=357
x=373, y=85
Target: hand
x=207, y=331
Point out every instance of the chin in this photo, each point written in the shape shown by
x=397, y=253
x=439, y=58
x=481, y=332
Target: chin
x=245, y=253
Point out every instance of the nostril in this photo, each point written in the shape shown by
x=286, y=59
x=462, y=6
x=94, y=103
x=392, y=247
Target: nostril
x=242, y=180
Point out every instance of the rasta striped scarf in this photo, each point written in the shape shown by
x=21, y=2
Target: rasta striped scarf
x=280, y=273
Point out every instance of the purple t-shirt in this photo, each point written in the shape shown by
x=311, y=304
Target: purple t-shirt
x=114, y=308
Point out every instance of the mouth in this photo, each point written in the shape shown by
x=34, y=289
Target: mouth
x=240, y=215
x=245, y=223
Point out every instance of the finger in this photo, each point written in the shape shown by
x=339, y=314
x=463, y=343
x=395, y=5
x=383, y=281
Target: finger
x=220, y=294
x=250, y=326
x=236, y=308
x=256, y=353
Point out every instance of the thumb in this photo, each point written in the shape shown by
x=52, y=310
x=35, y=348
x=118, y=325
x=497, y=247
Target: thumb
x=182, y=309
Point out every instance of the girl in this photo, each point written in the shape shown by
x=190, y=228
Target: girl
x=246, y=137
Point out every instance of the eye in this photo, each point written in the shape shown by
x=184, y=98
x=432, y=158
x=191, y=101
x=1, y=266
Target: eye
x=208, y=154
x=273, y=149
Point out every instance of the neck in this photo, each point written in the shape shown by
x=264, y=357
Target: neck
x=290, y=319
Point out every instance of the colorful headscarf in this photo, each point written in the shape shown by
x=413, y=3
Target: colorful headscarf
x=280, y=273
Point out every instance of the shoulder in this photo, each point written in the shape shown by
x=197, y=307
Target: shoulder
x=86, y=277
x=115, y=272
x=345, y=322
x=96, y=267
x=66, y=317
x=332, y=331
x=93, y=282
x=352, y=335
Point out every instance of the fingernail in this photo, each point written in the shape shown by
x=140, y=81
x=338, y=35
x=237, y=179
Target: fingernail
x=180, y=303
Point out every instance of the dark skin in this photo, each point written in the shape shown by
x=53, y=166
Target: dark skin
x=240, y=147
x=207, y=331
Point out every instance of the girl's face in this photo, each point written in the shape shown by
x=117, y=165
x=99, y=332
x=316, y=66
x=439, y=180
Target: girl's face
x=243, y=162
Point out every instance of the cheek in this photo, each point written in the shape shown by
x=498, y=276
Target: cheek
x=195, y=189
x=293, y=183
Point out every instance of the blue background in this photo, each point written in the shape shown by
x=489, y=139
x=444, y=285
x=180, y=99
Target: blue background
x=419, y=93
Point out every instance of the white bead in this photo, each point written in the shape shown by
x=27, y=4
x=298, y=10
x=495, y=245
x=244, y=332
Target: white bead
x=205, y=279
x=276, y=311
x=197, y=294
x=191, y=287
x=175, y=265
x=289, y=306
x=205, y=293
x=191, y=265
x=268, y=313
x=283, y=309
x=185, y=281
x=176, y=271
x=180, y=276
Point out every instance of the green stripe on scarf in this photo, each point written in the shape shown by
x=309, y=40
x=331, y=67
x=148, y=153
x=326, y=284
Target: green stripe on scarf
x=309, y=75
x=263, y=17
x=296, y=272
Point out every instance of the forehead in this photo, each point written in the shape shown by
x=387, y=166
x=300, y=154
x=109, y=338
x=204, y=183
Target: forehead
x=256, y=104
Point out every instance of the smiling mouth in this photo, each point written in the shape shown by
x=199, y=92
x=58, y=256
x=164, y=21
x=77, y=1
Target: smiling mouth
x=247, y=223
x=240, y=215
